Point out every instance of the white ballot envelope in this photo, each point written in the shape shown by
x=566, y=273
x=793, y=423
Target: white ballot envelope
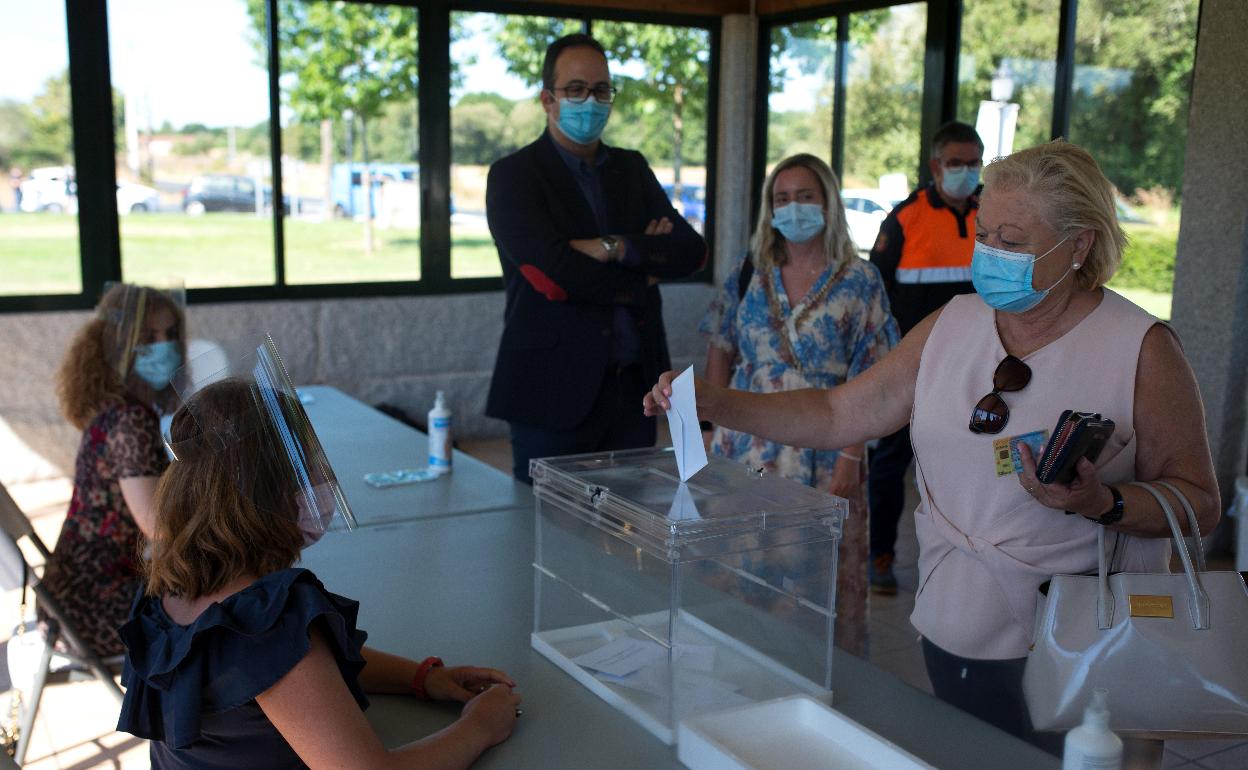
x=682, y=419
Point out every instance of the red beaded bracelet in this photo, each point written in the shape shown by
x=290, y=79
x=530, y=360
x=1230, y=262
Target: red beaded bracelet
x=422, y=673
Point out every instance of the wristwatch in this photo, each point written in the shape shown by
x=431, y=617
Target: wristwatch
x=1114, y=514
x=610, y=244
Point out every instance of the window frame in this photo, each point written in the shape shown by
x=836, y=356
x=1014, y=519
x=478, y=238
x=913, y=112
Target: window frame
x=92, y=117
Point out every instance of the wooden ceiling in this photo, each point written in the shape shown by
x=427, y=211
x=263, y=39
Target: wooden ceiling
x=700, y=7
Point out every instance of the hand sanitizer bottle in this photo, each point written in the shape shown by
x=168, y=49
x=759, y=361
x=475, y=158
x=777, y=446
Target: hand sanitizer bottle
x=1091, y=745
x=440, y=435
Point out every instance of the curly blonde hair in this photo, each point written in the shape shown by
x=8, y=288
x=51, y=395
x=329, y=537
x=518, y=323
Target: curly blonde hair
x=90, y=375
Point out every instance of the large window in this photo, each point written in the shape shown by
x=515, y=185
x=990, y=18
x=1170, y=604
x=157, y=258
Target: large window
x=801, y=90
x=663, y=76
x=1014, y=41
x=496, y=74
x=193, y=164
x=1132, y=83
x=38, y=192
x=350, y=141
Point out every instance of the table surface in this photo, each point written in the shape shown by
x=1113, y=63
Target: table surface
x=360, y=440
x=458, y=582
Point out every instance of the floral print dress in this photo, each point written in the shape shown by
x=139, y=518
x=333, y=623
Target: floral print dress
x=94, y=569
x=840, y=328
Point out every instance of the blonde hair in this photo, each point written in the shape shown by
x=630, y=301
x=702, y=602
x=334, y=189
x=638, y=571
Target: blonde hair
x=90, y=376
x=1075, y=195
x=767, y=244
x=228, y=506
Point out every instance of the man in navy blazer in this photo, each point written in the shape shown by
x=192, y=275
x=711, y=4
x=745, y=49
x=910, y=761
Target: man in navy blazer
x=584, y=233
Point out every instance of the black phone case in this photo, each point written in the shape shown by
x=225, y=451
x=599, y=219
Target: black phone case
x=1078, y=434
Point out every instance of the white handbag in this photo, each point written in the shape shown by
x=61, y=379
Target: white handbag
x=1169, y=648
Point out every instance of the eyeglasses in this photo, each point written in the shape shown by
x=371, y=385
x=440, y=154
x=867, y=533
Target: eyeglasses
x=579, y=92
x=991, y=413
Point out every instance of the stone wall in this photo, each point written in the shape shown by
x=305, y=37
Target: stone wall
x=394, y=350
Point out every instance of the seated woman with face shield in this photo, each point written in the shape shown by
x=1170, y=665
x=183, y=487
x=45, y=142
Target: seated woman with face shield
x=113, y=384
x=235, y=658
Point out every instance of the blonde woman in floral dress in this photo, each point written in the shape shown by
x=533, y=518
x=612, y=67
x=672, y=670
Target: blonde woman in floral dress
x=802, y=311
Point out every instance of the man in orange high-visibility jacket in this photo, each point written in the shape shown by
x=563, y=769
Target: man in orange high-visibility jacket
x=923, y=253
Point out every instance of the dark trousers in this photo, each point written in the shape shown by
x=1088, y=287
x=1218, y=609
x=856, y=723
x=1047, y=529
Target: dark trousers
x=886, y=488
x=614, y=422
x=991, y=690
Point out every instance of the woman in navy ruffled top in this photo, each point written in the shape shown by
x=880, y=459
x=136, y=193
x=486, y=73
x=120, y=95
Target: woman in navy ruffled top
x=236, y=659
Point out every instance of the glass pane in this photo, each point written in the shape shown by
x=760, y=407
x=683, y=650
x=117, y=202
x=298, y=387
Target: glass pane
x=803, y=78
x=1133, y=73
x=1017, y=38
x=663, y=76
x=496, y=65
x=883, y=102
x=38, y=205
x=350, y=139
x=193, y=159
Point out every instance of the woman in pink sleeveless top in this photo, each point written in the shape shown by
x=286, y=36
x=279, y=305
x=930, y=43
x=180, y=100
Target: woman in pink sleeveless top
x=1040, y=335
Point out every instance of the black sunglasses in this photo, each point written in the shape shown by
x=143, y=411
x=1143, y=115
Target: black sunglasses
x=991, y=413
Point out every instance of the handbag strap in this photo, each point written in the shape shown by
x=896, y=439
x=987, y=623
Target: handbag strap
x=1200, y=599
x=1193, y=524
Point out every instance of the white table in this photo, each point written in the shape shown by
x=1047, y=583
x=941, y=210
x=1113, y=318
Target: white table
x=458, y=583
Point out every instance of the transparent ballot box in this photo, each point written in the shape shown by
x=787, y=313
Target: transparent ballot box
x=670, y=600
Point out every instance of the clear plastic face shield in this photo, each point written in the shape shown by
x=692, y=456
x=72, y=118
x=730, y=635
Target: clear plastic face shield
x=239, y=405
x=144, y=334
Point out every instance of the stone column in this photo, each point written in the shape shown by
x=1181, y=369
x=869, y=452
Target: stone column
x=1211, y=272
x=738, y=46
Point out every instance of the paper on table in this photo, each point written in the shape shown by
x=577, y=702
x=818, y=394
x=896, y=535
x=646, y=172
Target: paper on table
x=682, y=419
x=622, y=656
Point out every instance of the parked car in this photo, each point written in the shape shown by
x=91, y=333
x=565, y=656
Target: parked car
x=865, y=210
x=691, y=205
x=135, y=198
x=53, y=189
x=226, y=192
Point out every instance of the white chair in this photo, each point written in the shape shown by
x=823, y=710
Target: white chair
x=76, y=654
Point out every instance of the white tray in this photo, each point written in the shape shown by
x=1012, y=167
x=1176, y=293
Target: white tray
x=792, y=733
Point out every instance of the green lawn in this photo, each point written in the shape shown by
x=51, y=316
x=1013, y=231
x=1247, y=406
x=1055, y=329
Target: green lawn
x=39, y=252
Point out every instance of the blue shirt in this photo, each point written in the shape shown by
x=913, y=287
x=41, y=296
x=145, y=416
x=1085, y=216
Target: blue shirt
x=626, y=342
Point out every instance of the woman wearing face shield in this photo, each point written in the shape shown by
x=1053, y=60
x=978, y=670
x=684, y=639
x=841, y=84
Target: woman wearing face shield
x=1041, y=335
x=802, y=311
x=237, y=659
x=113, y=383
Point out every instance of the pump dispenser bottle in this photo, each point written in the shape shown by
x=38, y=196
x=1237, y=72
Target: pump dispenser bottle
x=1092, y=745
x=440, y=436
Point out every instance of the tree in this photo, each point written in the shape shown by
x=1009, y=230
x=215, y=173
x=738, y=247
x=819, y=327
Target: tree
x=343, y=57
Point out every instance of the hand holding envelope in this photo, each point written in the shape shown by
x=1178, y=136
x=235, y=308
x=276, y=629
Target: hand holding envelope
x=682, y=419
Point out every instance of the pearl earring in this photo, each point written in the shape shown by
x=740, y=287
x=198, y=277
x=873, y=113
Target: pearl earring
x=1075, y=266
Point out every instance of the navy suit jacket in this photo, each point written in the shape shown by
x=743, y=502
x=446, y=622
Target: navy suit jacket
x=556, y=341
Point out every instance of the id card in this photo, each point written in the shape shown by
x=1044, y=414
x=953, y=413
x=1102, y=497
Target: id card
x=1005, y=450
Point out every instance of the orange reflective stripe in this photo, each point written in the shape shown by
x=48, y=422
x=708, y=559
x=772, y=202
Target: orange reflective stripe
x=933, y=274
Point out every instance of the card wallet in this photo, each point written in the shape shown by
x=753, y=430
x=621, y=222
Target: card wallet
x=1078, y=434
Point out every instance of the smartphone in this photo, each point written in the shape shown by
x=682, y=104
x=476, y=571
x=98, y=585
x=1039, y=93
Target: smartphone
x=1078, y=434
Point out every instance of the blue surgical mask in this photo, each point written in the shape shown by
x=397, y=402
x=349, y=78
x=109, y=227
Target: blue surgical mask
x=798, y=222
x=959, y=182
x=157, y=362
x=1003, y=278
x=583, y=122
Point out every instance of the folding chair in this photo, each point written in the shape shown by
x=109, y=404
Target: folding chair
x=16, y=526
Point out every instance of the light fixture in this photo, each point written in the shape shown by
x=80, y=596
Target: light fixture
x=1002, y=87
